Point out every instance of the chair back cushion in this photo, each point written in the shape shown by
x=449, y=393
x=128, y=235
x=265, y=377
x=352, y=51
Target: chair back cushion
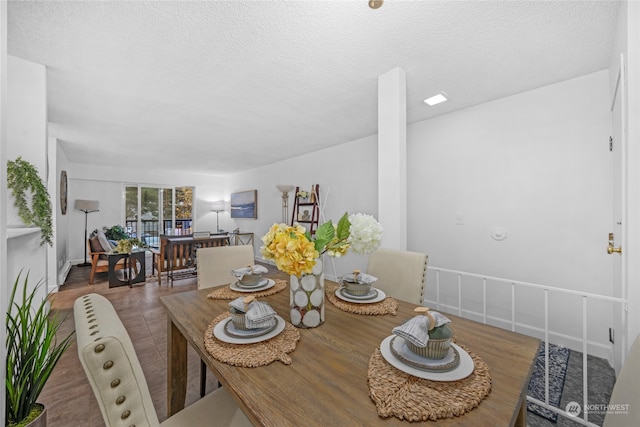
x=401, y=274
x=110, y=362
x=625, y=397
x=215, y=264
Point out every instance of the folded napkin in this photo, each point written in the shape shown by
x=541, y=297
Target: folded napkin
x=255, y=269
x=416, y=329
x=260, y=315
x=363, y=278
x=239, y=304
x=257, y=314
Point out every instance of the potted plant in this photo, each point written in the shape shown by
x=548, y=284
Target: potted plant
x=23, y=180
x=32, y=352
x=126, y=245
x=115, y=233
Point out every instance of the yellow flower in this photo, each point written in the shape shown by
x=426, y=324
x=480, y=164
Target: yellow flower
x=289, y=248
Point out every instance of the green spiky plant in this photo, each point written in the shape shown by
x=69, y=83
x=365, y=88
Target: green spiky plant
x=32, y=349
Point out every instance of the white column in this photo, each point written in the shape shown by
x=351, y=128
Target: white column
x=392, y=158
x=3, y=194
x=633, y=171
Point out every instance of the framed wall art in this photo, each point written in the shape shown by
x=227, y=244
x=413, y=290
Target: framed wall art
x=244, y=204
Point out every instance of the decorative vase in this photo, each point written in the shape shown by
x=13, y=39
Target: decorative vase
x=307, y=298
x=40, y=420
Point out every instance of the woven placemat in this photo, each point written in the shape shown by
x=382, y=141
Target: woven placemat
x=387, y=306
x=406, y=397
x=225, y=292
x=256, y=354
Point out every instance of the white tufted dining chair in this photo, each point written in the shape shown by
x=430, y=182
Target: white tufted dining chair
x=215, y=264
x=214, y=269
x=401, y=274
x=116, y=377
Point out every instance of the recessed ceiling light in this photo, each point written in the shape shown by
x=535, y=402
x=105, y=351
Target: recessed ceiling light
x=436, y=99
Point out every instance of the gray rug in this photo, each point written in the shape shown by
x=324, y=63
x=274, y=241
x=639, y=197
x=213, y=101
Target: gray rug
x=558, y=360
x=601, y=380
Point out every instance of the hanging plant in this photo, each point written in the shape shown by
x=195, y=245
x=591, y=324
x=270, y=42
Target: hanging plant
x=22, y=180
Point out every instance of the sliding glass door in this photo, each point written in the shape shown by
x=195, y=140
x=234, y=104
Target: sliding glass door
x=151, y=211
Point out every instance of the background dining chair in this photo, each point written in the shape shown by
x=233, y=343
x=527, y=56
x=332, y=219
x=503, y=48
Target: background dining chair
x=401, y=274
x=215, y=264
x=116, y=377
x=214, y=269
x=626, y=392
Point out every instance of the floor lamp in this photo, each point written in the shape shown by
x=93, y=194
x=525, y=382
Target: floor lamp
x=284, y=189
x=217, y=207
x=86, y=206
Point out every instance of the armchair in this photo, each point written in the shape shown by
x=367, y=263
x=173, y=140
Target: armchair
x=99, y=257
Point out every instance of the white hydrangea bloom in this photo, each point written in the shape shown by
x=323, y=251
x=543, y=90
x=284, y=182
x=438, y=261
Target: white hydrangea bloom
x=365, y=233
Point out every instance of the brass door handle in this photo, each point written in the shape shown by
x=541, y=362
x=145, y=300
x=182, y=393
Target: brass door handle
x=611, y=249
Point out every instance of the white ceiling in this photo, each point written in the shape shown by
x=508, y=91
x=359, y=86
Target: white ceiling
x=222, y=86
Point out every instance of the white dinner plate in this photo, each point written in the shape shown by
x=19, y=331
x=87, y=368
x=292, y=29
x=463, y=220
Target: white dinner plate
x=231, y=330
x=463, y=370
x=402, y=352
x=268, y=285
x=220, y=333
x=380, y=297
x=259, y=283
x=372, y=294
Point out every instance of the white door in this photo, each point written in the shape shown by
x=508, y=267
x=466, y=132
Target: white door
x=618, y=227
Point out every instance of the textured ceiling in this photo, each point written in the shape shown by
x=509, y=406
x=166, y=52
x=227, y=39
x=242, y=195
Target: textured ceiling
x=222, y=86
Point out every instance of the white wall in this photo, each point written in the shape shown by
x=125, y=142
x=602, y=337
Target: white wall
x=62, y=260
x=27, y=119
x=26, y=137
x=633, y=190
x=536, y=164
x=105, y=184
x=627, y=42
x=3, y=192
x=347, y=175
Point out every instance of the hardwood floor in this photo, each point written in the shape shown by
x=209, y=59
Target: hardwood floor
x=68, y=395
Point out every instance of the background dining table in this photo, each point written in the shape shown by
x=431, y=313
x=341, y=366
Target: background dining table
x=326, y=383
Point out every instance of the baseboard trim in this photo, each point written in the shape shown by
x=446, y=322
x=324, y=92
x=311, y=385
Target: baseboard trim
x=62, y=274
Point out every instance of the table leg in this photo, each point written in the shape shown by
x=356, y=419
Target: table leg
x=176, y=369
x=521, y=420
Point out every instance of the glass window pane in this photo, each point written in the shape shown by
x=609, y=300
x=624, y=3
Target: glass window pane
x=131, y=211
x=167, y=210
x=184, y=209
x=149, y=209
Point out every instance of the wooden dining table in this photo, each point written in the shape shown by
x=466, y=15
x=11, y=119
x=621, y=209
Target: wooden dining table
x=326, y=383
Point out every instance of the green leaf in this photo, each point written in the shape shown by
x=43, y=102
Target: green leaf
x=324, y=234
x=343, y=227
